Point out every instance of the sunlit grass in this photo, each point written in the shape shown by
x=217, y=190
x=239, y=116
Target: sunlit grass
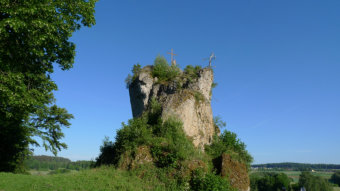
x=104, y=178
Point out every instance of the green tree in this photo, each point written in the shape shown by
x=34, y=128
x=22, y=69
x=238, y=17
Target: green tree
x=34, y=34
x=336, y=178
x=269, y=181
x=314, y=183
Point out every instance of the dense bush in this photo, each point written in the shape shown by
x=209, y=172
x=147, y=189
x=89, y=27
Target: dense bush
x=314, y=183
x=163, y=71
x=166, y=140
x=227, y=142
x=202, y=181
x=191, y=72
x=269, y=181
x=336, y=178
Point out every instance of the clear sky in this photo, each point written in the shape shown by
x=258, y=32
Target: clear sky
x=277, y=68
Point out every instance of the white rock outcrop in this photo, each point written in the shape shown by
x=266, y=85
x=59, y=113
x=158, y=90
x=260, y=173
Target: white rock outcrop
x=186, y=100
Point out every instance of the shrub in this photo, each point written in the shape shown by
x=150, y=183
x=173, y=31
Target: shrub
x=167, y=140
x=228, y=142
x=219, y=124
x=174, y=145
x=191, y=72
x=163, y=71
x=208, y=181
x=108, y=154
x=199, y=97
x=213, y=85
x=136, y=69
x=154, y=116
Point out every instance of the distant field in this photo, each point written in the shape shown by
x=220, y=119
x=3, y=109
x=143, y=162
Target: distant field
x=105, y=178
x=46, y=172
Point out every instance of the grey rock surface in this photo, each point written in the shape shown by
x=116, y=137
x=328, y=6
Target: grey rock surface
x=189, y=101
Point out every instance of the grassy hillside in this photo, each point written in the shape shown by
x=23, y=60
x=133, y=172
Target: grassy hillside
x=103, y=178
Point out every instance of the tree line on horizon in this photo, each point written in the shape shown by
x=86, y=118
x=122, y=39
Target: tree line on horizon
x=298, y=166
x=44, y=162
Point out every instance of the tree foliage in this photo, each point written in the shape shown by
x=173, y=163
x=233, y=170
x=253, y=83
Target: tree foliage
x=314, y=183
x=227, y=142
x=335, y=178
x=202, y=181
x=269, y=181
x=33, y=36
x=54, y=163
x=167, y=140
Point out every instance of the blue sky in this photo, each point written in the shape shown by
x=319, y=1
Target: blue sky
x=277, y=69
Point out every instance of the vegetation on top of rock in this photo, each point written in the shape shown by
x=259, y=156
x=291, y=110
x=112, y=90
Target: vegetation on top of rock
x=163, y=71
x=191, y=72
x=136, y=69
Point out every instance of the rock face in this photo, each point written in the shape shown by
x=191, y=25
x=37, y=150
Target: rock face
x=187, y=100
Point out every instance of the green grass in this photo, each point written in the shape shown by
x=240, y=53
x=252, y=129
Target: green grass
x=104, y=178
x=336, y=188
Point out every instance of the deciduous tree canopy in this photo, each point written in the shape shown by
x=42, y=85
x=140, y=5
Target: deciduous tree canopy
x=34, y=34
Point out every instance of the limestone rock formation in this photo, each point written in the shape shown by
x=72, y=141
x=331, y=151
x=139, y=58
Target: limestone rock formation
x=187, y=99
